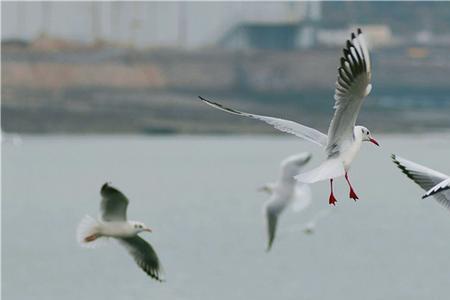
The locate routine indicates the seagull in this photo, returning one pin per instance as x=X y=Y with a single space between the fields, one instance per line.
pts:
x=344 y=138
x=436 y=184
x=113 y=223
x=284 y=192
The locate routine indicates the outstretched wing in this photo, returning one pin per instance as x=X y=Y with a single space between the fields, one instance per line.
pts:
x=291 y=127
x=143 y=255
x=352 y=85
x=425 y=177
x=271 y=226
x=440 y=187
x=114 y=204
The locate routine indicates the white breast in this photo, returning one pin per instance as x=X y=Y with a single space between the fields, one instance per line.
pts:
x=348 y=155
x=116 y=229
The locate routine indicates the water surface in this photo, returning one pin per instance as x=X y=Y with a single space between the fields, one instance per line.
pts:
x=198 y=194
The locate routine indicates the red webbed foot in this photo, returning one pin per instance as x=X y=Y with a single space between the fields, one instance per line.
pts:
x=332 y=200
x=353 y=194
x=90 y=238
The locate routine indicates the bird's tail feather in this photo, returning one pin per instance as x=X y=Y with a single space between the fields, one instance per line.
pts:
x=88 y=233
x=331 y=168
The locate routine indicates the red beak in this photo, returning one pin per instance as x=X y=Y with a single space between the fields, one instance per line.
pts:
x=374 y=142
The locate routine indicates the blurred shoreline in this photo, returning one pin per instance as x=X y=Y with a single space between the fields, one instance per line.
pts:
x=106 y=89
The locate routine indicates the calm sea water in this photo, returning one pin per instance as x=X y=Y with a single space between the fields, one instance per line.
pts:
x=199 y=196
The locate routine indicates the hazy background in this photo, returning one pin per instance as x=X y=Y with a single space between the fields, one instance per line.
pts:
x=99 y=91
x=139 y=66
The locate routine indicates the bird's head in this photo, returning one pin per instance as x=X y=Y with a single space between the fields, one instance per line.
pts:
x=265 y=189
x=140 y=227
x=366 y=136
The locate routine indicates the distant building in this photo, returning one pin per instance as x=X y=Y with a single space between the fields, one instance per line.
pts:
x=377 y=35
x=299 y=35
x=285 y=34
x=267 y=36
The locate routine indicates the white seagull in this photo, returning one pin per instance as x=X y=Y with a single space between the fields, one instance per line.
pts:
x=113 y=223
x=284 y=192
x=436 y=184
x=344 y=138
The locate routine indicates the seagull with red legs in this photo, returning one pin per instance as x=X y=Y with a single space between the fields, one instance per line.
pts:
x=344 y=138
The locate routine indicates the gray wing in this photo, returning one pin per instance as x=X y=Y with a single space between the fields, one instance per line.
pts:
x=114 y=204
x=440 y=187
x=352 y=85
x=144 y=255
x=272 y=210
x=425 y=177
x=291 y=127
x=271 y=223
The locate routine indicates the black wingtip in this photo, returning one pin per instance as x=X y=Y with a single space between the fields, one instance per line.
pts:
x=157 y=278
x=105 y=185
x=353 y=36
x=359 y=31
x=402 y=168
x=201 y=98
x=346 y=52
x=425 y=196
x=349 y=44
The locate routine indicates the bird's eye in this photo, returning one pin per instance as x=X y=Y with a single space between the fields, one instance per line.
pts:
x=140 y=226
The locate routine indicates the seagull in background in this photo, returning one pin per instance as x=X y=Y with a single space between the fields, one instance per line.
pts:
x=344 y=138
x=436 y=184
x=113 y=223
x=284 y=192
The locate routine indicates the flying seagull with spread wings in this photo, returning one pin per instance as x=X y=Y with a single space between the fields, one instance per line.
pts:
x=436 y=184
x=113 y=223
x=284 y=192
x=344 y=138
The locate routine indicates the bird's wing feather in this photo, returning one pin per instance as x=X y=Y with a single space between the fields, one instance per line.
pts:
x=425 y=177
x=144 y=255
x=271 y=224
x=291 y=127
x=352 y=85
x=438 y=188
x=113 y=206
